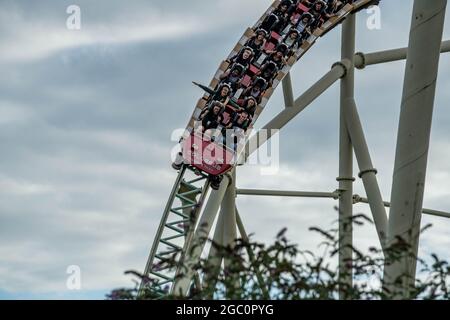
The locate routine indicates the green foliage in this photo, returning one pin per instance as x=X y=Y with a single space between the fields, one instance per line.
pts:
x=282 y=271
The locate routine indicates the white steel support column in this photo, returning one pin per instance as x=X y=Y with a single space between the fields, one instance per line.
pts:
x=346 y=162
x=413 y=139
x=194 y=247
x=225 y=234
x=367 y=171
x=215 y=257
x=228 y=212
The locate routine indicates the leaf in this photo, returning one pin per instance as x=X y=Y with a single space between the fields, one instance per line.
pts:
x=282 y=233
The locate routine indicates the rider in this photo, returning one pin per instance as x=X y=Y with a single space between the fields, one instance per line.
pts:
x=268 y=72
x=278 y=17
x=249 y=104
x=333 y=7
x=291 y=40
x=278 y=56
x=257 y=42
x=240 y=121
x=222 y=94
x=244 y=57
x=318 y=12
x=284 y=13
x=303 y=25
x=213 y=116
x=256 y=90
x=233 y=76
x=234 y=132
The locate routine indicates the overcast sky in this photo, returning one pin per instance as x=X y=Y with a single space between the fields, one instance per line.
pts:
x=86 y=118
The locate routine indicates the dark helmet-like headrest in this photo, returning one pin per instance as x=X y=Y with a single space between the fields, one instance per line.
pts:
x=293 y=30
x=260 y=81
x=306 y=15
x=283 y=48
x=238 y=67
x=262 y=31
x=321 y=2
x=270 y=65
x=227 y=85
x=286 y=3
x=247 y=49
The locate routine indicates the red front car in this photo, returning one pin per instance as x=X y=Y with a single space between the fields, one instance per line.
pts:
x=210 y=157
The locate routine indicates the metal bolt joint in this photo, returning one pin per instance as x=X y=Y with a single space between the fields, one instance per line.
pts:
x=345 y=65
x=339 y=179
x=360 y=60
x=357 y=198
x=363 y=172
x=337 y=194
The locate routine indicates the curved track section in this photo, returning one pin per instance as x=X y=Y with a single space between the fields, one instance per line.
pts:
x=272 y=41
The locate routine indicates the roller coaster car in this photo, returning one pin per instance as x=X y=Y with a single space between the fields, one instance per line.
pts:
x=206 y=155
x=206 y=152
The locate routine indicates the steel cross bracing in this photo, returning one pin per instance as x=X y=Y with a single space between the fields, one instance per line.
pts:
x=352 y=141
x=177 y=223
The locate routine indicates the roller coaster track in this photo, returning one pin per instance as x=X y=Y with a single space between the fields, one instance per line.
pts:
x=191 y=188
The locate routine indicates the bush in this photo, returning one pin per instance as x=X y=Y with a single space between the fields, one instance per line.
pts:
x=281 y=271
